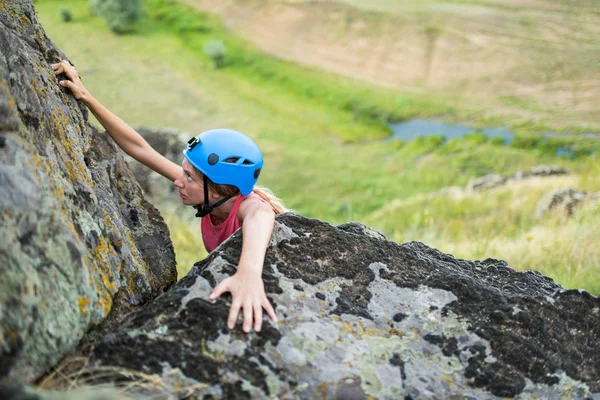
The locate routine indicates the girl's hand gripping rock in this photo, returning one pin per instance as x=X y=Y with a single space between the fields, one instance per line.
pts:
x=73 y=81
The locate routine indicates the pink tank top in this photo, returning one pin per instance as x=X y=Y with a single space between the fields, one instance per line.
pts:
x=214 y=235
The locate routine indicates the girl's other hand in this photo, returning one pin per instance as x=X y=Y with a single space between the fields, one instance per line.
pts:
x=247 y=292
x=73 y=81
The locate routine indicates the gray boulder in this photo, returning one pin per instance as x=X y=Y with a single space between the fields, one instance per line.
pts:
x=564 y=201
x=541 y=170
x=486 y=182
x=78 y=239
x=362 y=316
x=494 y=180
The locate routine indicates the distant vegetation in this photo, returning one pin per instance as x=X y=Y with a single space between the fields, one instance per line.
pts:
x=119 y=15
x=65 y=14
x=322 y=137
x=216 y=51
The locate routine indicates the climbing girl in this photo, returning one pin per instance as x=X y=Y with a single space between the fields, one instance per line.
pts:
x=217 y=176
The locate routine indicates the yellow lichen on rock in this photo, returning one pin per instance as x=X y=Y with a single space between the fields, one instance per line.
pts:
x=84 y=303
x=103 y=257
x=40 y=88
x=76 y=168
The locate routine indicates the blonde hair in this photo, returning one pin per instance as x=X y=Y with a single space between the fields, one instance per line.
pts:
x=268 y=195
x=230 y=190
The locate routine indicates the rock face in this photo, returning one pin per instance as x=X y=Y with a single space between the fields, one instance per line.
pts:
x=78 y=238
x=362 y=316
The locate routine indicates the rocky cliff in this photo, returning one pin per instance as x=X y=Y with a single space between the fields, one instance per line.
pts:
x=77 y=238
x=362 y=316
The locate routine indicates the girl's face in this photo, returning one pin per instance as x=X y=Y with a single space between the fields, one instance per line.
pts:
x=191 y=187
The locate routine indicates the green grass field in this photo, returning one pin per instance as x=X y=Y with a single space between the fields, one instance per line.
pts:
x=321 y=135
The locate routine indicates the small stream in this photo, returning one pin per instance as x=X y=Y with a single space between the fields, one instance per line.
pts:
x=414 y=128
x=409 y=130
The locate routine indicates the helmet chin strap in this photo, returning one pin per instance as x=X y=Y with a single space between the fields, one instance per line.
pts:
x=205 y=209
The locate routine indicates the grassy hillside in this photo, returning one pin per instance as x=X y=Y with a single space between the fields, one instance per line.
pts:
x=321 y=135
x=521 y=60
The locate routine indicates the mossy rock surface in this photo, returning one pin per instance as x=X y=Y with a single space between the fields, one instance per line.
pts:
x=78 y=238
x=362 y=316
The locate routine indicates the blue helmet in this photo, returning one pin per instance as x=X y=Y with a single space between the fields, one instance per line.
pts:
x=226 y=157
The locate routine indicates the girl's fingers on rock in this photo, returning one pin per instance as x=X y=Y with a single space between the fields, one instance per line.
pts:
x=233 y=314
x=258 y=317
x=270 y=311
x=72 y=75
x=247 y=318
x=219 y=290
x=66 y=66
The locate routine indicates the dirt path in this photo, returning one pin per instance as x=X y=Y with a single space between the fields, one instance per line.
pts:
x=523 y=60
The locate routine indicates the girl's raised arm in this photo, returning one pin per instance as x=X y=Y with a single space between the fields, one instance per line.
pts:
x=246 y=285
x=126 y=137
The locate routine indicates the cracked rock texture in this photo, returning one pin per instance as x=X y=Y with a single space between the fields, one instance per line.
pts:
x=362 y=317
x=78 y=238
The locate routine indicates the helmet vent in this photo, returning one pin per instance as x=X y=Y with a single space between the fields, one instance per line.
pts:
x=231 y=160
x=236 y=160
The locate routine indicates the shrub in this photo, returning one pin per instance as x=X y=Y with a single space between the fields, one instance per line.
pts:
x=424 y=144
x=497 y=141
x=119 y=15
x=65 y=14
x=476 y=138
x=216 y=50
x=525 y=142
x=94 y=6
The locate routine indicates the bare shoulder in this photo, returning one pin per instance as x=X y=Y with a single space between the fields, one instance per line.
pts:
x=251 y=205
